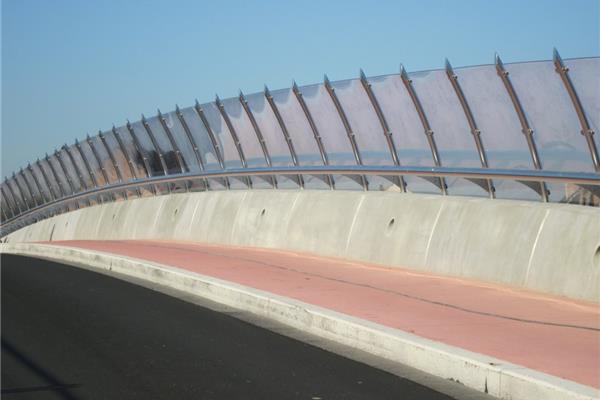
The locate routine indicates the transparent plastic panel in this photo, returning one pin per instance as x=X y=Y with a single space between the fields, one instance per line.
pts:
x=585 y=76
x=131 y=153
x=202 y=138
x=219 y=128
x=330 y=126
x=37 y=172
x=270 y=128
x=245 y=131
x=51 y=181
x=551 y=115
x=23 y=191
x=407 y=131
x=60 y=176
x=456 y=146
x=8 y=205
x=305 y=144
x=33 y=187
x=184 y=144
x=92 y=162
x=81 y=167
x=371 y=141
x=70 y=171
x=164 y=146
x=17 y=195
x=148 y=149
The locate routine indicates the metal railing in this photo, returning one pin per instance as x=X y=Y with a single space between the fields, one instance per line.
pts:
x=515 y=131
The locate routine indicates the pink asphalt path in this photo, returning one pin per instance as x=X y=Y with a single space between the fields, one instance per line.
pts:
x=554 y=335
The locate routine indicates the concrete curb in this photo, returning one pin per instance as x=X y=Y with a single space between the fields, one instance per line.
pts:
x=486 y=374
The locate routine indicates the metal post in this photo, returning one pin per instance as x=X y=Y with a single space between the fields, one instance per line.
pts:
x=182 y=164
x=315 y=131
x=3 y=208
x=259 y=135
x=472 y=124
x=347 y=127
x=37 y=183
x=285 y=132
x=586 y=129
x=14 y=197
x=212 y=137
x=399 y=181
x=525 y=128
x=428 y=131
x=190 y=137
x=53 y=194
x=234 y=135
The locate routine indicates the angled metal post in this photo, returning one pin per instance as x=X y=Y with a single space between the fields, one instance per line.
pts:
x=259 y=135
x=399 y=181
x=286 y=134
x=53 y=195
x=111 y=156
x=28 y=187
x=3 y=208
x=37 y=183
x=236 y=139
x=315 y=131
x=14 y=200
x=347 y=127
x=425 y=122
x=190 y=137
x=525 y=127
x=212 y=137
x=586 y=129
x=13 y=195
x=471 y=121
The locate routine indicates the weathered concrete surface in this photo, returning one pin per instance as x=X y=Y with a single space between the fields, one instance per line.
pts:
x=386 y=306
x=553 y=248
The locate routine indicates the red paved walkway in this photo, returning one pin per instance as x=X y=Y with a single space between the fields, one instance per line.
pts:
x=549 y=334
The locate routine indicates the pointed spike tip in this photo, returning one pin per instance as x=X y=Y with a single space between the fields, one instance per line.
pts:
x=362 y=74
x=447 y=64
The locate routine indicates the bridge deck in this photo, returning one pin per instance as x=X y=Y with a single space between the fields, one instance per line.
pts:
x=549 y=334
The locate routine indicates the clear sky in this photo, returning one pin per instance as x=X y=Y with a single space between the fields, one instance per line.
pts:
x=71 y=67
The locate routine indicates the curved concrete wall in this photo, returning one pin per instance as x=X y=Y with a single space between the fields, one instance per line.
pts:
x=551 y=248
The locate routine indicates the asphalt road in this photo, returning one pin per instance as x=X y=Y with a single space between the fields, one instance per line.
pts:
x=69 y=333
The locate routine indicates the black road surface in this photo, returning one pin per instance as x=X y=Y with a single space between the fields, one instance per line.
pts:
x=69 y=333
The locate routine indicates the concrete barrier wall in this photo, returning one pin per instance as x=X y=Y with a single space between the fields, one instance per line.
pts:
x=553 y=248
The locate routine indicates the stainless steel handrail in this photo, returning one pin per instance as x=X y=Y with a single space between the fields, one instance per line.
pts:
x=575 y=178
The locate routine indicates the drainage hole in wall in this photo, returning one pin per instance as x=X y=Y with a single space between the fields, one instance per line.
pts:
x=391 y=224
x=114 y=215
x=597 y=257
x=176 y=211
x=262 y=213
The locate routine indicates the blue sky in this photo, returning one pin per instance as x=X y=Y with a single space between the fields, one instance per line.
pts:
x=72 y=67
